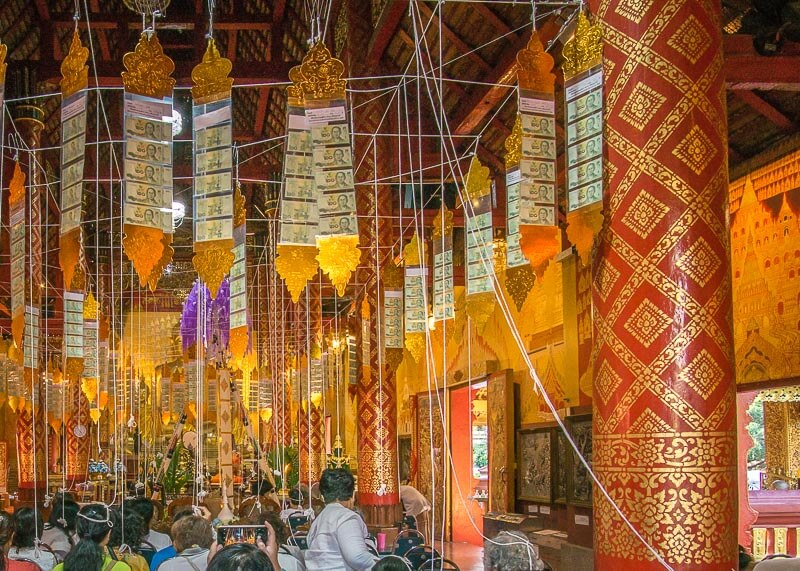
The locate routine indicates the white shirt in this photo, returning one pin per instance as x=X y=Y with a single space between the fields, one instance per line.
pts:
x=157 y=539
x=336 y=541
x=191 y=559
x=288 y=561
x=44 y=559
x=414 y=503
x=55 y=538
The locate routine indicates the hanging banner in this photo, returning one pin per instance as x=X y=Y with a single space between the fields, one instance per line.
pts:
x=147 y=196
x=239 y=338
x=212 y=136
x=31 y=343
x=299 y=216
x=393 y=310
x=91 y=349
x=73 y=325
x=414 y=295
x=443 y=286
x=584 y=105
x=537 y=167
x=514 y=255
x=75 y=79
x=479 y=244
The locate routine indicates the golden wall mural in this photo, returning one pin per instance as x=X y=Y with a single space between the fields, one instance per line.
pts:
x=765 y=268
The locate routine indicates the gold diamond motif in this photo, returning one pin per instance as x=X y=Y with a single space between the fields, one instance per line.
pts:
x=647 y=323
x=607 y=381
x=644 y=213
x=607 y=276
x=633 y=10
x=649 y=423
x=642 y=105
x=699 y=262
x=690 y=40
x=703 y=374
x=696 y=150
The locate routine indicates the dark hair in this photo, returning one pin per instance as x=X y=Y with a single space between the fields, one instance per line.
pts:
x=745 y=559
x=128 y=528
x=336 y=484
x=274 y=519
x=240 y=557
x=391 y=563
x=189 y=531
x=296 y=496
x=145 y=508
x=180 y=514
x=94 y=524
x=27 y=527
x=63 y=515
x=6 y=531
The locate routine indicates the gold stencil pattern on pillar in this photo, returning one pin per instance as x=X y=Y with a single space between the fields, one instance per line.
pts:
x=416 y=313
x=213 y=220
x=583 y=105
x=519 y=273
x=148 y=230
x=479 y=238
x=74 y=78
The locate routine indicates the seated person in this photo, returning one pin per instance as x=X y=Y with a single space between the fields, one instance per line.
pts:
x=90 y=553
x=778 y=564
x=127 y=531
x=192 y=537
x=146 y=509
x=290 y=557
x=511 y=551
x=169 y=551
x=6 y=533
x=28 y=526
x=59 y=531
x=295 y=506
x=245 y=557
x=336 y=540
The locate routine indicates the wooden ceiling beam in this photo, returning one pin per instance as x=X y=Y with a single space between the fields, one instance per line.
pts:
x=495 y=21
x=225 y=23
x=387 y=25
x=244 y=72
x=765 y=108
x=233 y=39
x=746 y=70
x=42 y=11
x=426 y=12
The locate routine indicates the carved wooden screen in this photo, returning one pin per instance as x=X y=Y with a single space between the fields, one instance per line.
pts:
x=501 y=442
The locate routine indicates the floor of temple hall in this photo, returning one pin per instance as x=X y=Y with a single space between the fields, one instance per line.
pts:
x=468 y=557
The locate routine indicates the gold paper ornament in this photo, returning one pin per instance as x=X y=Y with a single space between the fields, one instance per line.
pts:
x=318 y=77
x=513 y=145
x=239 y=207
x=163 y=262
x=91 y=309
x=74 y=71
x=144 y=249
x=3 y=65
x=73 y=367
x=296 y=265
x=338 y=257
x=519 y=282
x=213 y=262
x=584 y=49
x=210 y=77
x=535 y=67
x=443 y=223
x=415 y=343
x=237 y=342
x=148 y=69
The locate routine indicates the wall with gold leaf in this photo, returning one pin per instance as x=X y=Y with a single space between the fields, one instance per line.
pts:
x=765 y=268
x=474 y=352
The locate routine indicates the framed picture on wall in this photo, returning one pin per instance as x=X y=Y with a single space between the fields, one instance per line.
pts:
x=560 y=465
x=535 y=465
x=404 y=458
x=579 y=482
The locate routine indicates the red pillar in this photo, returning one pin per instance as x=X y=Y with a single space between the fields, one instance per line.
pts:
x=664 y=394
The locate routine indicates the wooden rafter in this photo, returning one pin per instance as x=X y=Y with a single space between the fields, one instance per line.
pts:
x=261 y=111
x=387 y=25
x=496 y=22
x=426 y=12
x=766 y=109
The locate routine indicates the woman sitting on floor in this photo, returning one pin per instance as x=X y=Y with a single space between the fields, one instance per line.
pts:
x=28 y=526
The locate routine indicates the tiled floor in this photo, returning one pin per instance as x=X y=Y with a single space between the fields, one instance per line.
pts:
x=467 y=557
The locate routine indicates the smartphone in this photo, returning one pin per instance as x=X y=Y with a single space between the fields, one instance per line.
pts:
x=230 y=534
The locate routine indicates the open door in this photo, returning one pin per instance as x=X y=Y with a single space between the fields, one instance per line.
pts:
x=502 y=461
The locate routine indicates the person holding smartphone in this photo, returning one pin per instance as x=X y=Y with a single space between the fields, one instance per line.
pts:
x=336 y=540
x=192 y=537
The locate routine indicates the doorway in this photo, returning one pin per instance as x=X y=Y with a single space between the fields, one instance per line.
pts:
x=469 y=474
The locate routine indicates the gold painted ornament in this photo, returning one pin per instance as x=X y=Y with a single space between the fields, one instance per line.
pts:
x=584 y=49
x=318 y=77
x=296 y=265
x=339 y=257
x=210 y=76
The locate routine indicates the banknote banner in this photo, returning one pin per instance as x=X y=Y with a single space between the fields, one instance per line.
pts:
x=147 y=196
x=479 y=238
x=415 y=295
x=213 y=197
x=443 y=286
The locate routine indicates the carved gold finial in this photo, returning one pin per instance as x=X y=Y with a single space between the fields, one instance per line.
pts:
x=415 y=343
x=212 y=263
x=296 y=265
x=443 y=224
x=74 y=71
x=143 y=247
x=478 y=183
x=210 y=77
x=91 y=309
x=413 y=254
x=392 y=276
x=535 y=67
x=338 y=257
x=16 y=188
x=584 y=49
x=513 y=145
x=148 y=69
x=318 y=77
x=519 y=282
x=239 y=207
x=78 y=281
x=3 y=65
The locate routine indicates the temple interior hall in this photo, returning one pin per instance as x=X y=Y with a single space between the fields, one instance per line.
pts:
x=400 y=285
